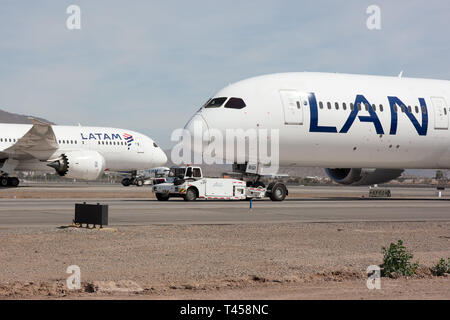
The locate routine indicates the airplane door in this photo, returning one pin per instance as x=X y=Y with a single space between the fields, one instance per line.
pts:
x=292 y=106
x=440 y=113
x=138 y=146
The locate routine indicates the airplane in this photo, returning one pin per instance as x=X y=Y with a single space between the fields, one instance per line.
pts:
x=362 y=129
x=73 y=151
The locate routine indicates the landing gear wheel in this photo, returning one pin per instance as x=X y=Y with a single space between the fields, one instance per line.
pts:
x=161 y=197
x=3 y=182
x=126 y=182
x=139 y=182
x=278 y=192
x=190 y=195
x=14 y=182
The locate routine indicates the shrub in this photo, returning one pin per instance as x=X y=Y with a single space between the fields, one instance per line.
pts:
x=396 y=259
x=441 y=267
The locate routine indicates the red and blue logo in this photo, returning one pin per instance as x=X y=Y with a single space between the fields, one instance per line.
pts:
x=128 y=139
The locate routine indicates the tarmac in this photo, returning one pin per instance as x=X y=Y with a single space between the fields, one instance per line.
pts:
x=305 y=204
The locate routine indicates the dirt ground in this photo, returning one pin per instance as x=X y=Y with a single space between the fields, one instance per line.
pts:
x=248 y=261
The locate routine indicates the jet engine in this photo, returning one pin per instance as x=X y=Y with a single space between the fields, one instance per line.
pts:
x=361 y=177
x=86 y=165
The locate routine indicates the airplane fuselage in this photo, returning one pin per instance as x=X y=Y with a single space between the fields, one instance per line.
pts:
x=122 y=150
x=343 y=121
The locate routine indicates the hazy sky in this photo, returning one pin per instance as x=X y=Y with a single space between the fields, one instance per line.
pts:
x=149 y=65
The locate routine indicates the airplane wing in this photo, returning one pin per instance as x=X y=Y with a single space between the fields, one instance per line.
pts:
x=39 y=142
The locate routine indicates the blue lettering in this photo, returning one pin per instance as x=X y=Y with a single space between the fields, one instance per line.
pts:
x=116 y=136
x=83 y=137
x=106 y=137
x=314 y=114
x=361 y=100
x=91 y=136
x=421 y=129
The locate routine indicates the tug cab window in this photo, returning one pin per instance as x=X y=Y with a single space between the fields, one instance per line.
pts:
x=235 y=103
x=215 y=103
x=197 y=173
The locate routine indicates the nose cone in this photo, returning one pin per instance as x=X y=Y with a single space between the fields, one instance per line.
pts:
x=199 y=131
x=160 y=157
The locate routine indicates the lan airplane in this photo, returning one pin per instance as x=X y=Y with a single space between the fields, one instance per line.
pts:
x=73 y=151
x=362 y=129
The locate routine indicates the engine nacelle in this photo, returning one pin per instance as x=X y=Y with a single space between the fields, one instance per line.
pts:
x=363 y=177
x=86 y=165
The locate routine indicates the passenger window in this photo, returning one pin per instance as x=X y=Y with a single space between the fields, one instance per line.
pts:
x=359 y=106
x=329 y=105
x=215 y=103
x=344 y=106
x=417 y=109
x=352 y=106
x=336 y=105
x=197 y=173
x=235 y=103
x=424 y=110
x=381 y=108
x=366 y=105
x=320 y=105
x=374 y=107
x=409 y=109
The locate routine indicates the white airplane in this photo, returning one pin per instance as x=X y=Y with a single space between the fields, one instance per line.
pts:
x=73 y=151
x=363 y=129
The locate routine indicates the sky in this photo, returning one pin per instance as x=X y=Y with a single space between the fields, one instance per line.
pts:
x=149 y=65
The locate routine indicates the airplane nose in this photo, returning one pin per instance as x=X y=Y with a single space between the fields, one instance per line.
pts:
x=198 y=130
x=161 y=157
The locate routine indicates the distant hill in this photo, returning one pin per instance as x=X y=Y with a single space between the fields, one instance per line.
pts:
x=8 y=117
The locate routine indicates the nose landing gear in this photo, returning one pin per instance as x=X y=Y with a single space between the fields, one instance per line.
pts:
x=6 y=181
x=276 y=190
x=135 y=179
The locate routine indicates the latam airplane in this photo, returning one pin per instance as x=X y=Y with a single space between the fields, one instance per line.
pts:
x=362 y=129
x=73 y=151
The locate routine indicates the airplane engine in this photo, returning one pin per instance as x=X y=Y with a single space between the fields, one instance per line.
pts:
x=362 y=177
x=85 y=165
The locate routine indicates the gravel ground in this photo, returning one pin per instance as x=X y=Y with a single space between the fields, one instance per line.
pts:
x=277 y=261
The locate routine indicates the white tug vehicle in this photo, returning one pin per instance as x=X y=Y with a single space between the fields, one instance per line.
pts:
x=187 y=182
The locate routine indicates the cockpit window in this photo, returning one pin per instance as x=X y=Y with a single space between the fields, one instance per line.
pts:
x=215 y=103
x=235 y=103
x=155 y=145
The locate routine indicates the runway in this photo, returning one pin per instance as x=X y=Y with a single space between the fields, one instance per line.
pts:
x=316 y=204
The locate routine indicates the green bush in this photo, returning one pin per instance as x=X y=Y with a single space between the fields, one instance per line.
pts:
x=396 y=259
x=441 y=268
